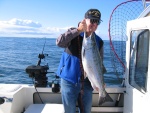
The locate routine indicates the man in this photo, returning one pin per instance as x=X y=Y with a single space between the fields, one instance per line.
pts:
x=73 y=84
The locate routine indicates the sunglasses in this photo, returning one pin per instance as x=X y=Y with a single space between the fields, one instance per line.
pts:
x=92 y=21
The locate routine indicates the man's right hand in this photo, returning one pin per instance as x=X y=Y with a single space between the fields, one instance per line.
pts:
x=82 y=26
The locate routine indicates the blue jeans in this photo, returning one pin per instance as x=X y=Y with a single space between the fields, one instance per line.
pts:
x=70 y=94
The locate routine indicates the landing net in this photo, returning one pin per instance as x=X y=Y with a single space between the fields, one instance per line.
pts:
x=122 y=13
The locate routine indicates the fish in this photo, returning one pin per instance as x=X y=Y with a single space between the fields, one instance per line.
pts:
x=93 y=67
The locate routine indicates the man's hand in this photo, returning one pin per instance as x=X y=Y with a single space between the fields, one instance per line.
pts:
x=82 y=26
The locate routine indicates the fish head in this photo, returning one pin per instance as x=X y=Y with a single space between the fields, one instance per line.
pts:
x=92 y=37
x=89 y=41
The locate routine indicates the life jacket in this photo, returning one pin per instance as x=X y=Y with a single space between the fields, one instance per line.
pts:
x=69 y=66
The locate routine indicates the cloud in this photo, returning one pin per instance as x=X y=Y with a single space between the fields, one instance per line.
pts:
x=21 y=22
x=28 y=28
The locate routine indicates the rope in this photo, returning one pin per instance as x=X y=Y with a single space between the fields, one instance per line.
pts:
x=82 y=79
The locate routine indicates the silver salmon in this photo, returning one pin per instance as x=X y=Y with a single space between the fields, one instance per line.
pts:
x=92 y=65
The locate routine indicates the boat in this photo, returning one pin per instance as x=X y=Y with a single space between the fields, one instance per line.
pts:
x=132 y=97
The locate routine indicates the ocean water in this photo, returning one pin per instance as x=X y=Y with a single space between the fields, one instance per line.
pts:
x=16 y=54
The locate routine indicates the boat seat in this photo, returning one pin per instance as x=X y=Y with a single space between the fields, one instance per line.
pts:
x=45 y=108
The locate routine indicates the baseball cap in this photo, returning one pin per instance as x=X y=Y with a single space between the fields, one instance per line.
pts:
x=93 y=14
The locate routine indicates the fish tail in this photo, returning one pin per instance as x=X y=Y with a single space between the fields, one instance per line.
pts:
x=107 y=98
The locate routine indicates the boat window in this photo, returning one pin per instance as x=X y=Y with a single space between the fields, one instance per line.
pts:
x=139 y=51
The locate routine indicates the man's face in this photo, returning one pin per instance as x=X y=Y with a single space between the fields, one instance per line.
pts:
x=91 y=25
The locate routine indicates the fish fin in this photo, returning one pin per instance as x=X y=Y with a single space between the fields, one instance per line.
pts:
x=107 y=98
x=85 y=75
x=94 y=87
x=101 y=100
x=83 y=52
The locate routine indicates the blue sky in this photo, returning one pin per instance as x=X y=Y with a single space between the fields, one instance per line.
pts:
x=50 y=18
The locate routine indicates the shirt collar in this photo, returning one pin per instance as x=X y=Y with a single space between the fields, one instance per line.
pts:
x=82 y=34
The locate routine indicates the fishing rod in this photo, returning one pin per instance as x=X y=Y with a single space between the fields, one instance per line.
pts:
x=42 y=56
x=39 y=72
x=38 y=75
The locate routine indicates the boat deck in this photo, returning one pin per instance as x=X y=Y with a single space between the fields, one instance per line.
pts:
x=29 y=100
x=58 y=108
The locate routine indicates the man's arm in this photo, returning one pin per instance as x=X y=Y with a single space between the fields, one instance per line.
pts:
x=64 y=39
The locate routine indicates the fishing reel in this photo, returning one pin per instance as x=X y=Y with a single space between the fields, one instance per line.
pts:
x=38 y=72
x=55 y=85
x=2 y=100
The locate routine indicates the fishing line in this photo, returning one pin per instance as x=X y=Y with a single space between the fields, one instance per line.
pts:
x=39 y=65
x=37 y=92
